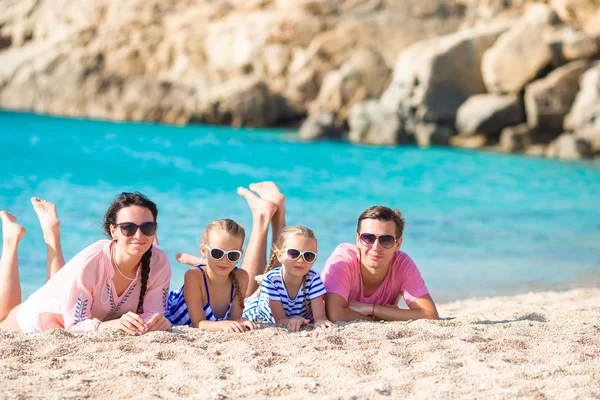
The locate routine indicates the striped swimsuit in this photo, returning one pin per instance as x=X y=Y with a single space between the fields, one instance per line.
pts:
x=257 y=309
x=177 y=311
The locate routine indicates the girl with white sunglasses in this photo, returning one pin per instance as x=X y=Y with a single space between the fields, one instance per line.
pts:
x=293 y=293
x=212 y=295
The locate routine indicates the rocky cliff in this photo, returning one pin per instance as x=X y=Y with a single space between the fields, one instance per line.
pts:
x=508 y=74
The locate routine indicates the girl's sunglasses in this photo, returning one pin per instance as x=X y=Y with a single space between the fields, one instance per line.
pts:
x=294 y=254
x=369 y=239
x=129 y=228
x=217 y=253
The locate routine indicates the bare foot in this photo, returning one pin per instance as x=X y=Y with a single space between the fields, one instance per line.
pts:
x=46 y=213
x=189 y=259
x=270 y=192
x=258 y=206
x=10 y=229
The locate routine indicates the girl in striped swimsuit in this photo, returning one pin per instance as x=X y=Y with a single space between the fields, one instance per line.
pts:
x=212 y=295
x=293 y=293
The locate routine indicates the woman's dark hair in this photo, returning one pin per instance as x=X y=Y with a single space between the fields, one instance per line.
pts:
x=124 y=200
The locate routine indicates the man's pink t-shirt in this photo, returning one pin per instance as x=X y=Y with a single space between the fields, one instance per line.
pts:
x=342 y=277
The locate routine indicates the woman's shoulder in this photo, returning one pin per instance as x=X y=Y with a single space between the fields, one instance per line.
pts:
x=91 y=255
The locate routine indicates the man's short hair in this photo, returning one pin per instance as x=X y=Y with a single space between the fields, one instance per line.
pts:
x=383 y=213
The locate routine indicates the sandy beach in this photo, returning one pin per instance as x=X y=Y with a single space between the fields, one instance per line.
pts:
x=537 y=345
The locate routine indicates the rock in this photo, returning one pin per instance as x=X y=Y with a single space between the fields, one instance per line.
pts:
x=575 y=44
x=536 y=150
x=469 y=142
x=569 y=147
x=591 y=132
x=515 y=139
x=318 y=126
x=585 y=107
x=440 y=74
x=580 y=12
x=203 y=49
x=236 y=41
x=370 y=124
x=395 y=98
x=520 y=54
x=242 y=101
x=487 y=114
x=428 y=134
x=548 y=100
x=364 y=76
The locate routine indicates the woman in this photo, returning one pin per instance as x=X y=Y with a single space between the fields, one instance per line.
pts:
x=122 y=283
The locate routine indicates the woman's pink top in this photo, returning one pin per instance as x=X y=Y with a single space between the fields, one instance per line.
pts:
x=82 y=294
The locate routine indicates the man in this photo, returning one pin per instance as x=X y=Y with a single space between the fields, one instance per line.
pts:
x=367 y=280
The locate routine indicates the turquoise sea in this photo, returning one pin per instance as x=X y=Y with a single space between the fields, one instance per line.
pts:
x=477 y=224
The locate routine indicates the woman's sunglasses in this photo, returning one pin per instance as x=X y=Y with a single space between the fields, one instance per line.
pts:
x=369 y=239
x=294 y=254
x=129 y=228
x=217 y=253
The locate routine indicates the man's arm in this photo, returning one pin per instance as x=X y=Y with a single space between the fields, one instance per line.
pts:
x=421 y=308
x=338 y=310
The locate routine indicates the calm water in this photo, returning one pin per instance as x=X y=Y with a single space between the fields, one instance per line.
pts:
x=477 y=224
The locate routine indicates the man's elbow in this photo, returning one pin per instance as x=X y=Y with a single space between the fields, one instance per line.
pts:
x=432 y=314
x=334 y=314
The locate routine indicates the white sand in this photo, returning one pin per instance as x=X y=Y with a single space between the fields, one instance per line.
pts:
x=539 y=345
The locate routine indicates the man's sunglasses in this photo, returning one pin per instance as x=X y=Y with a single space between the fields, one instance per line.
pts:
x=294 y=254
x=217 y=254
x=129 y=228
x=369 y=239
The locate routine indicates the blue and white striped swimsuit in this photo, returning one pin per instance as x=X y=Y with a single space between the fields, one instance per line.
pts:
x=177 y=311
x=257 y=309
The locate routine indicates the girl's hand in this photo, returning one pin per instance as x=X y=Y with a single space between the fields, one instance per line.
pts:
x=295 y=323
x=157 y=323
x=232 y=326
x=363 y=308
x=323 y=323
x=250 y=325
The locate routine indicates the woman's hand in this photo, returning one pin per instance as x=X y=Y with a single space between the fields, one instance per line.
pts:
x=323 y=323
x=295 y=323
x=157 y=323
x=130 y=323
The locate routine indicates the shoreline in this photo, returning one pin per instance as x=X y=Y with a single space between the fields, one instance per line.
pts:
x=544 y=344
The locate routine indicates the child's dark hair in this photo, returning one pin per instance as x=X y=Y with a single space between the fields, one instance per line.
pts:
x=127 y=199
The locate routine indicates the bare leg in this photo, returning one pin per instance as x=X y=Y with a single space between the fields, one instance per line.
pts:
x=255 y=257
x=10 y=286
x=46 y=213
x=270 y=192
